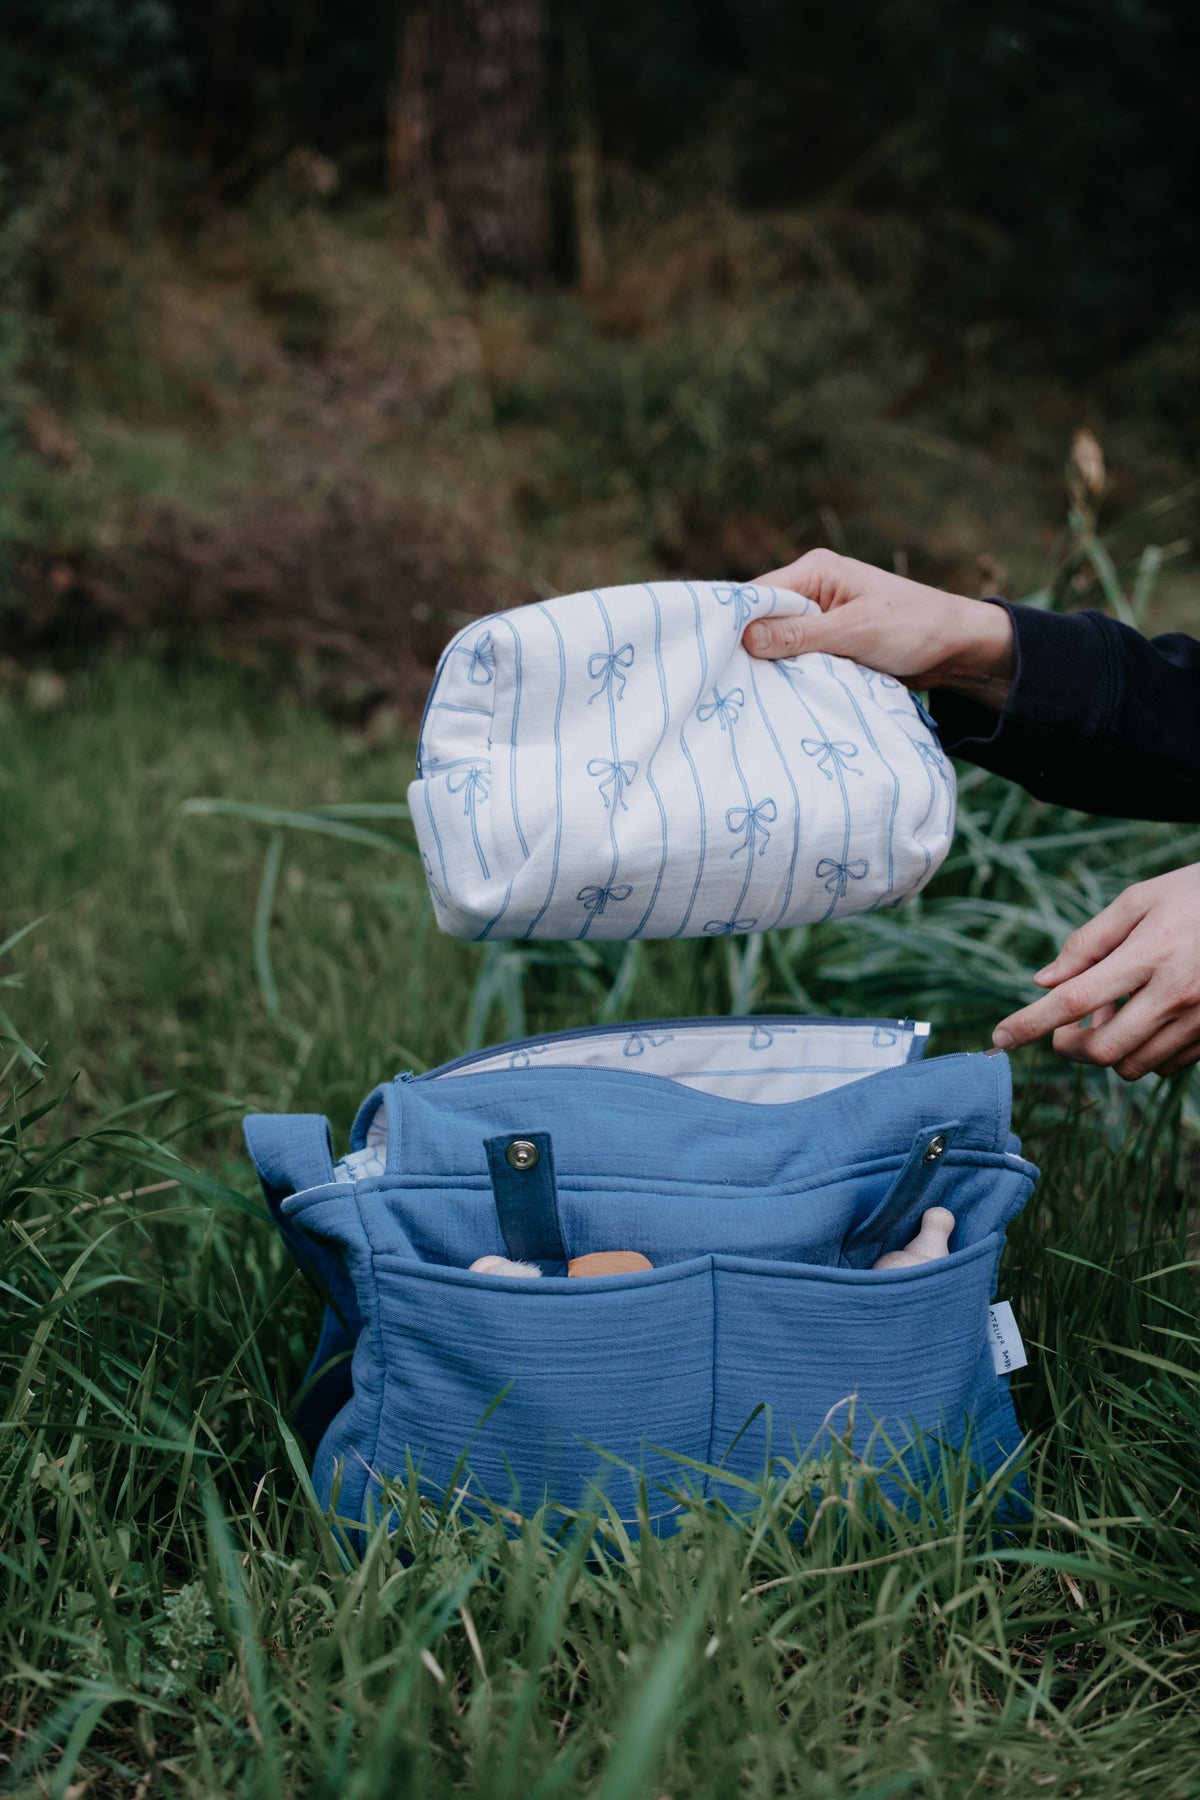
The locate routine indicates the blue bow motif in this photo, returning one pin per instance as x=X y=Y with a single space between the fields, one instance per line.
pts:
x=933 y=758
x=472 y=784
x=606 y=666
x=836 y=875
x=871 y=676
x=830 y=755
x=595 y=899
x=723 y=707
x=753 y=820
x=635 y=1043
x=483 y=660
x=615 y=777
x=434 y=888
x=727 y=927
x=883 y=1038
x=761 y=1038
x=742 y=599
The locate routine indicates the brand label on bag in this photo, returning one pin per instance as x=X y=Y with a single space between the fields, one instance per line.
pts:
x=1008 y=1352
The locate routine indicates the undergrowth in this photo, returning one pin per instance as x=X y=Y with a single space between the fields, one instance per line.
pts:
x=292 y=438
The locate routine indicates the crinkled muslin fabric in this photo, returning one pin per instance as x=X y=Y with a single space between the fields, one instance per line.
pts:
x=761 y=1164
x=615 y=765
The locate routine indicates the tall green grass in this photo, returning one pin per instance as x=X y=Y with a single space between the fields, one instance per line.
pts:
x=176 y=1610
x=178 y=1617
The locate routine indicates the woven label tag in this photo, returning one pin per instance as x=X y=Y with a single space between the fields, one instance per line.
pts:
x=1008 y=1352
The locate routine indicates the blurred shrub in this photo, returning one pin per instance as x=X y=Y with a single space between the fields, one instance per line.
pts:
x=347 y=596
x=720 y=385
x=60 y=55
x=1047 y=154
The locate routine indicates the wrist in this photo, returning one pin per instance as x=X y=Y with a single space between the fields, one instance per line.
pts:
x=981 y=663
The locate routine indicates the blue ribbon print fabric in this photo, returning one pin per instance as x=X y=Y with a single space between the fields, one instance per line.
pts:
x=615 y=765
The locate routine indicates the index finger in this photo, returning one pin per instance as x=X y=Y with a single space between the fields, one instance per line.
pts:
x=1065 y=1005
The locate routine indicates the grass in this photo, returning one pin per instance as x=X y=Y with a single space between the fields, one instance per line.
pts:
x=177 y=1616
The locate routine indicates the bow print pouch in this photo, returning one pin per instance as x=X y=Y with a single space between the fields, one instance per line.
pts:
x=615 y=765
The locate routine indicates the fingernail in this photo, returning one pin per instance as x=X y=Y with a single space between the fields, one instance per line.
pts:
x=1002 y=1039
x=1047 y=972
x=760 y=636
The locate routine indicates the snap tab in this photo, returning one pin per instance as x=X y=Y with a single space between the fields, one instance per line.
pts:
x=521 y=1154
x=935 y=1149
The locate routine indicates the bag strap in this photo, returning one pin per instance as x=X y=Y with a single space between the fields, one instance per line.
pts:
x=294 y=1151
x=522 y=1172
x=291 y=1151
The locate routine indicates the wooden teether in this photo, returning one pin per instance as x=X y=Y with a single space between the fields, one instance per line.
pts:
x=609 y=1262
x=931 y=1242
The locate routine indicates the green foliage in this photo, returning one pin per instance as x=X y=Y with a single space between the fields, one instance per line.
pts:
x=17 y=227
x=61 y=54
x=741 y=396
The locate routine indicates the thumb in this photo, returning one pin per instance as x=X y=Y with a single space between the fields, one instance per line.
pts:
x=795 y=635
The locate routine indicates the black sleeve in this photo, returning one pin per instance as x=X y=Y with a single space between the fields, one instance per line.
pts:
x=1099 y=717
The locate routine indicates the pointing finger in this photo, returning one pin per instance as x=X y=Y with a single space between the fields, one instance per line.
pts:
x=1066 y=1005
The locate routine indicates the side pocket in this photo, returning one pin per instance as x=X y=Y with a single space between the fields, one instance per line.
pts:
x=876 y=1355
x=578 y=1368
x=338 y=1411
x=910 y=1193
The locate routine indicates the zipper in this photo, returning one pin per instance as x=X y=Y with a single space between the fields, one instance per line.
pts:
x=767 y=1020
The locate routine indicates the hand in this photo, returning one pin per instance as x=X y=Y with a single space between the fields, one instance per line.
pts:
x=1145 y=946
x=924 y=637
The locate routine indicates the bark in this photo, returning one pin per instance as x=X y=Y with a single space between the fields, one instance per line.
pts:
x=469 y=130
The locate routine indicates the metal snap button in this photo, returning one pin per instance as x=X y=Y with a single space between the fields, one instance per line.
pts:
x=934 y=1149
x=521 y=1154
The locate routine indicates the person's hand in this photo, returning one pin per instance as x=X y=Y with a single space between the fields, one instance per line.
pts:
x=1144 y=948
x=924 y=637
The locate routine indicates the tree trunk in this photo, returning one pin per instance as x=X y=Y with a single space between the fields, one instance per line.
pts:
x=469 y=124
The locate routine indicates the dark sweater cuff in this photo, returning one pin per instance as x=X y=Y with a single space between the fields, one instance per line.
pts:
x=1058 y=656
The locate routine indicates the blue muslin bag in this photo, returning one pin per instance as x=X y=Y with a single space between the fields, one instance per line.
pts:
x=761 y=1164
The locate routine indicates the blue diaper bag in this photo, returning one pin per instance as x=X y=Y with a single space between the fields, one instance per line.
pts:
x=761 y=1164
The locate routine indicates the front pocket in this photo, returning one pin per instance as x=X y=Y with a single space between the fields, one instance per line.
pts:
x=878 y=1354
x=611 y=1365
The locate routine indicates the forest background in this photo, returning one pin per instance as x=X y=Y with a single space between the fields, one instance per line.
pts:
x=324 y=328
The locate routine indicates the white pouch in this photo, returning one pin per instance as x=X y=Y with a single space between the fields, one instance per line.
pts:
x=615 y=765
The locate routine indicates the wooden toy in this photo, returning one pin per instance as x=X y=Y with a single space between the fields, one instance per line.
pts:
x=609 y=1262
x=930 y=1243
